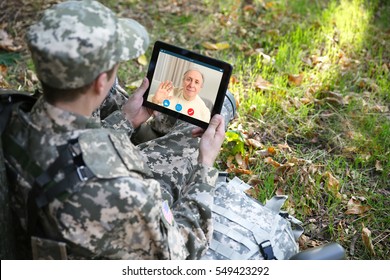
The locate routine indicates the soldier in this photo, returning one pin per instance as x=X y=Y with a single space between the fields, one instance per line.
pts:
x=78 y=179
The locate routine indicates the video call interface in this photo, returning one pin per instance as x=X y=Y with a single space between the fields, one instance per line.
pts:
x=208 y=93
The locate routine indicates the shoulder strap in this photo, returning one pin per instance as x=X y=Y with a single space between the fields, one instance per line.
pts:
x=7 y=100
x=44 y=187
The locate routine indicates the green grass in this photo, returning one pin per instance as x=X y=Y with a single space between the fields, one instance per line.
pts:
x=330 y=131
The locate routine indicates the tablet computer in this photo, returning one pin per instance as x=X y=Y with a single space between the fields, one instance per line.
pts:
x=185 y=84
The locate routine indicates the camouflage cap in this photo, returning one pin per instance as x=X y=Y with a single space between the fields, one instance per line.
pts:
x=75 y=41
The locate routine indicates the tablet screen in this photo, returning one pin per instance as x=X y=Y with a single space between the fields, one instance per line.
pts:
x=185 y=84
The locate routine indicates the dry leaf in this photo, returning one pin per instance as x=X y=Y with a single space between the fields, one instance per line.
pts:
x=355 y=207
x=367 y=240
x=266 y=58
x=3 y=82
x=279 y=191
x=380 y=108
x=239 y=171
x=318 y=59
x=378 y=166
x=229 y=161
x=209 y=46
x=254 y=143
x=6 y=43
x=271 y=150
x=295 y=80
x=233 y=80
x=222 y=45
x=249 y=8
x=272 y=162
x=142 y=60
x=215 y=47
x=332 y=184
x=262 y=84
x=284 y=147
x=3 y=69
x=263 y=153
x=254 y=180
x=269 y=5
x=241 y=161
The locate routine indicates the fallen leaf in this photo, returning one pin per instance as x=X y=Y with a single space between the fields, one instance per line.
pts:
x=354 y=206
x=142 y=60
x=262 y=84
x=272 y=162
x=269 y=5
x=295 y=80
x=234 y=80
x=238 y=171
x=249 y=8
x=284 y=147
x=271 y=150
x=222 y=45
x=318 y=59
x=279 y=191
x=216 y=46
x=6 y=43
x=367 y=240
x=3 y=69
x=263 y=153
x=3 y=82
x=332 y=184
x=378 y=166
x=241 y=161
x=254 y=180
x=254 y=143
x=380 y=108
x=266 y=58
x=229 y=161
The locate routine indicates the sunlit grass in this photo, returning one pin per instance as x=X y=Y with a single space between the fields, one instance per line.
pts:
x=357 y=136
x=339 y=52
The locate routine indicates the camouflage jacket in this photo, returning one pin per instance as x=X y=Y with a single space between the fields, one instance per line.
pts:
x=120 y=212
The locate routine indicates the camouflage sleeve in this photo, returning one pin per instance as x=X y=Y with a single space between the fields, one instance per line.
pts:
x=122 y=218
x=126 y=218
x=114 y=101
x=117 y=121
x=192 y=211
x=110 y=110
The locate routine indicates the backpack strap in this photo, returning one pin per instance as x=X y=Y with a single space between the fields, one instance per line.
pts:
x=45 y=188
x=264 y=247
x=226 y=251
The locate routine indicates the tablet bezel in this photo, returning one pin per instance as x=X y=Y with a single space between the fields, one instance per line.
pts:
x=195 y=58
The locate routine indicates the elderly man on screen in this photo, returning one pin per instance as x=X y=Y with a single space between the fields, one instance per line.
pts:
x=186 y=99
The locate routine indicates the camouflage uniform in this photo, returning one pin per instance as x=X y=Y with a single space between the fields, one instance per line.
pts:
x=121 y=212
x=240 y=223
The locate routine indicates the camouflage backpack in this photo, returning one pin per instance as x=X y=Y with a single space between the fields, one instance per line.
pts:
x=15 y=242
x=246 y=229
x=10 y=243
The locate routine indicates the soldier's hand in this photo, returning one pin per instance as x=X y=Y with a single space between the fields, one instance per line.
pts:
x=211 y=140
x=134 y=112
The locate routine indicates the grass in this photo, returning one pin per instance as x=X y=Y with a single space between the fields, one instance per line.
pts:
x=312 y=83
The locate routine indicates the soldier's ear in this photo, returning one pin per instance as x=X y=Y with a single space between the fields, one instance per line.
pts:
x=100 y=84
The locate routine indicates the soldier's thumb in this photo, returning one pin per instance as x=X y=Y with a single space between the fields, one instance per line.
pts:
x=143 y=87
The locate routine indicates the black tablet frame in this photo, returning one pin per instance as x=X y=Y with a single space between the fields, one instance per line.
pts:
x=194 y=57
